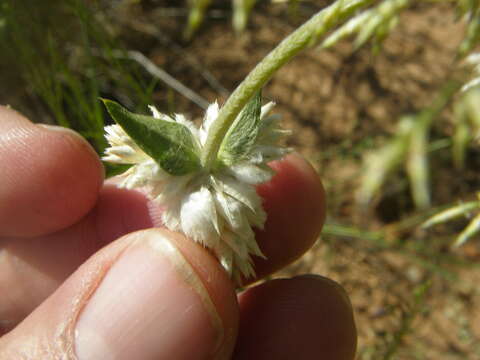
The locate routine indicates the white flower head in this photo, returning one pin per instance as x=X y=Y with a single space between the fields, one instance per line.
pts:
x=217 y=208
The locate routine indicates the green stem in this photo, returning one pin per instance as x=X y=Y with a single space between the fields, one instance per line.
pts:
x=304 y=36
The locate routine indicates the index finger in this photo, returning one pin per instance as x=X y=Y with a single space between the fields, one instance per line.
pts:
x=295 y=203
x=49 y=178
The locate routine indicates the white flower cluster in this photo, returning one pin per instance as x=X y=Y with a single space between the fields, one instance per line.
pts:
x=216 y=208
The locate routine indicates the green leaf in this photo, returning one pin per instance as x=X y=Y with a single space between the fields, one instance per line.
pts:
x=472 y=229
x=452 y=213
x=241 y=136
x=115 y=169
x=169 y=143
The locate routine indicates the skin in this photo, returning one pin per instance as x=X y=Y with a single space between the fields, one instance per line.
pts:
x=66 y=235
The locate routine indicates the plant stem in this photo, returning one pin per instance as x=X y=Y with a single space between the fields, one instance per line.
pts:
x=304 y=36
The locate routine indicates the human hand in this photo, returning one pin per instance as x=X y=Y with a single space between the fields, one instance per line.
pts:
x=78 y=281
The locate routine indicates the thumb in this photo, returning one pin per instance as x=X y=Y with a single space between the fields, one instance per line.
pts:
x=149 y=295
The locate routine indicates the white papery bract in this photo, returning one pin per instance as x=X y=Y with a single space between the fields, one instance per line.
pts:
x=216 y=208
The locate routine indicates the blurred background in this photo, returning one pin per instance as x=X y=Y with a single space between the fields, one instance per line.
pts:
x=385 y=125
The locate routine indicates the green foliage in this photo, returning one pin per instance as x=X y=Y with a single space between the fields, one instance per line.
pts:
x=409 y=147
x=195 y=16
x=462 y=210
x=114 y=169
x=467 y=124
x=241 y=136
x=376 y=23
x=471 y=11
x=169 y=143
x=69 y=69
x=372 y=24
x=306 y=35
x=241 y=12
x=381 y=163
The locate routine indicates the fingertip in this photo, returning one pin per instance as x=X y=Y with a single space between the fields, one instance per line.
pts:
x=295 y=204
x=50 y=179
x=150 y=294
x=307 y=317
x=218 y=285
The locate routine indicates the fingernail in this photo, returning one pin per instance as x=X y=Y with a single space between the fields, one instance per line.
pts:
x=150 y=305
x=62 y=129
x=67 y=131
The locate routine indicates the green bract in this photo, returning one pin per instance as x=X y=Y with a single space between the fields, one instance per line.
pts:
x=169 y=143
x=241 y=136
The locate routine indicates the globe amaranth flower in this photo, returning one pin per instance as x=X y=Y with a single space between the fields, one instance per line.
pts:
x=217 y=208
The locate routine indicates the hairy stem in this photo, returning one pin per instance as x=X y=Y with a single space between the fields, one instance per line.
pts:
x=304 y=36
